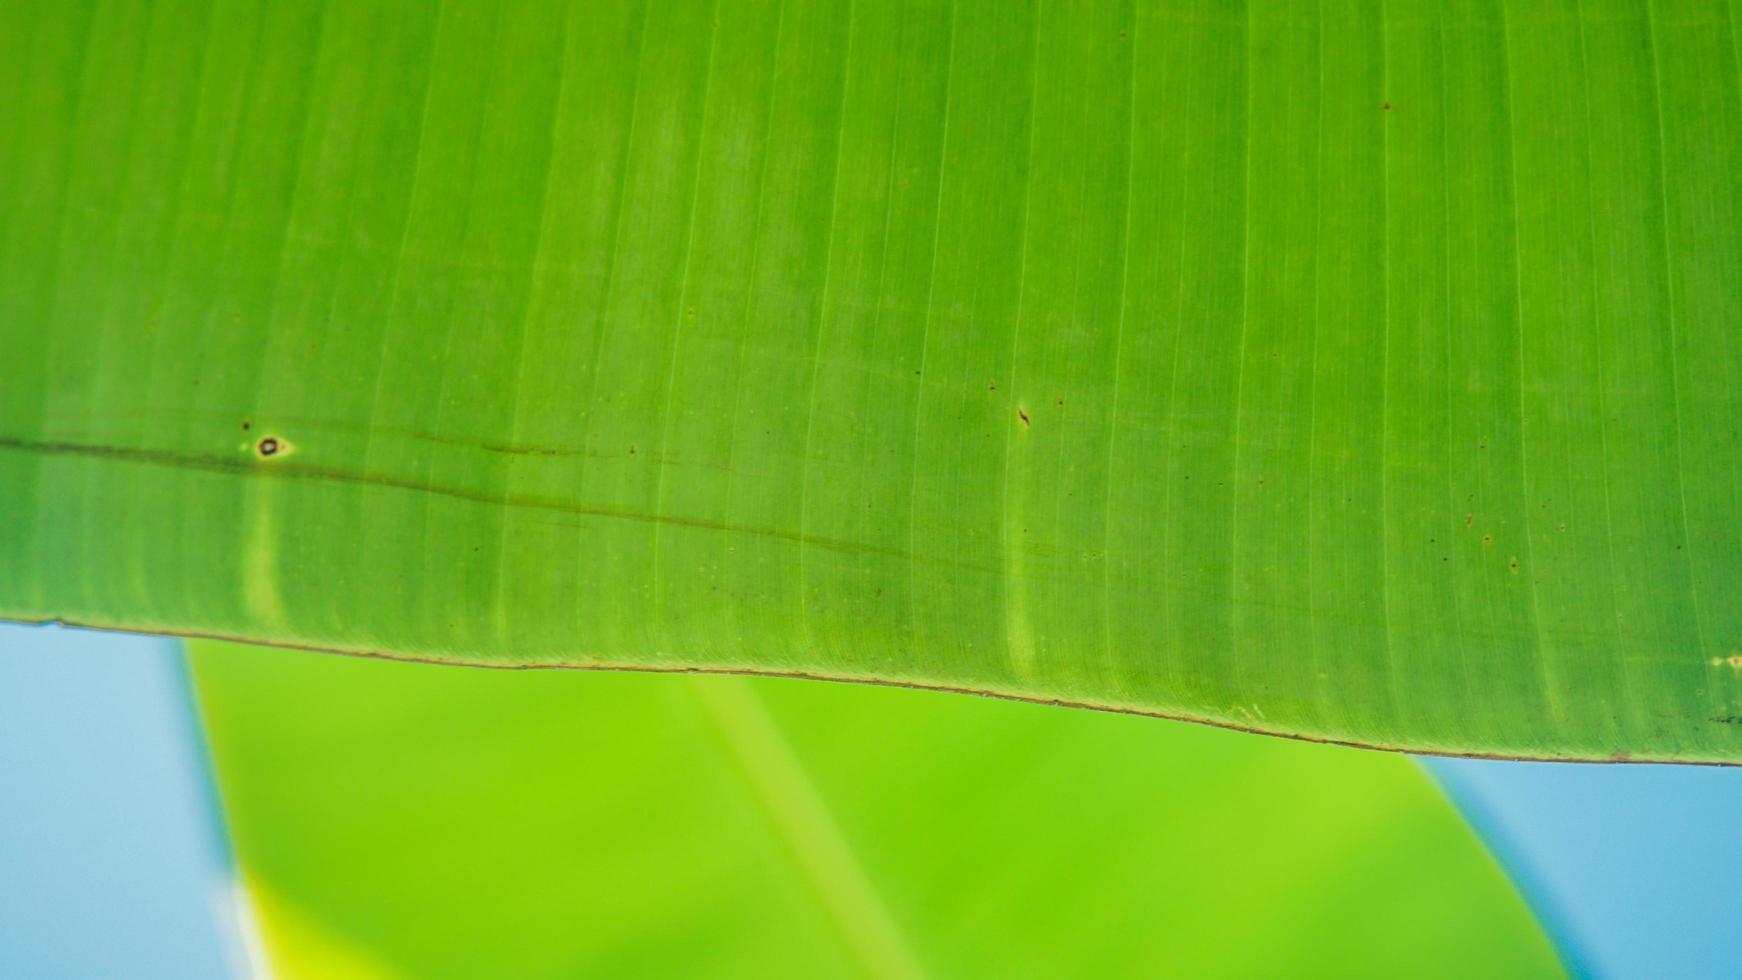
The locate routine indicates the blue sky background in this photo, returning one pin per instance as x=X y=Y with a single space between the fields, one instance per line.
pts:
x=1634 y=869
x=112 y=857
x=113 y=861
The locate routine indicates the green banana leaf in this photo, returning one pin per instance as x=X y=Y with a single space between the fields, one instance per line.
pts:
x=623 y=826
x=1362 y=370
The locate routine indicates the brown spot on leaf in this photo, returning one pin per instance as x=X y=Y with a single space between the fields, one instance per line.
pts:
x=268 y=447
x=1022 y=416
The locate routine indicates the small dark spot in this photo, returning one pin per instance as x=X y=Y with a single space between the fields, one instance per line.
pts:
x=691 y=311
x=1385 y=108
x=1469 y=520
x=992 y=385
x=1513 y=564
x=1023 y=416
x=1487 y=539
x=1061 y=401
x=246 y=425
x=268 y=446
x=631 y=450
x=1736 y=660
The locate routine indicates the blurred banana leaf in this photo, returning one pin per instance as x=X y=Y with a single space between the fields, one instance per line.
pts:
x=395 y=820
x=1368 y=371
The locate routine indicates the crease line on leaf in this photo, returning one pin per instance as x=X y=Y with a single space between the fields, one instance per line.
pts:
x=219 y=463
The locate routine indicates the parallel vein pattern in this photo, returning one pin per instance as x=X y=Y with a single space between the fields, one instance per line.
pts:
x=1367 y=370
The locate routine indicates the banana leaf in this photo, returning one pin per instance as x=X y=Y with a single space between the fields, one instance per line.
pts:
x=394 y=820
x=1362 y=370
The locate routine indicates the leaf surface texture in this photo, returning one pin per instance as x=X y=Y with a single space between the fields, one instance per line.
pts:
x=1358 y=370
